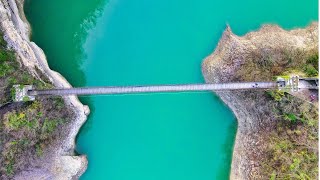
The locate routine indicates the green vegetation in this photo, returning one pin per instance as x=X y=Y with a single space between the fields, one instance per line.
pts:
x=314 y=60
x=29 y=129
x=7 y=59
x=292 y=151
x=49 y=126
x=290 y=138
x=11 y=72
x=290 y=117
x=39 y=150
x=264 y=66
x=25 y=99
x=25 y=130
x=12 y=93
x=15 y=120
x=273 y=176
x=310 y=70
x=276 y=94
x=58 y=102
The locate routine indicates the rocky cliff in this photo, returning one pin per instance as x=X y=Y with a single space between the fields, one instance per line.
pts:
x=61 y=161
x=262 y=120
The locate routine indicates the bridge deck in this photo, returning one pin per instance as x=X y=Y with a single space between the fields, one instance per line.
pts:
x=162 y=88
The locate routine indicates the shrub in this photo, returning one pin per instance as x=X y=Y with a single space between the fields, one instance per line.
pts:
x=290 y=117
x=273 y=176
x=277 y=95
x=14 y=121
x=58 y=102
x=5 y=69
x=313 y=60
x=39 y=150
x=310 y=70
x=6 y=55
x=295 y=164
x=35 y=105
x=13 y=93
x=9 y=155
x=25 y=99
x=48 y=127
x=9 y=168
x=12 y=81
x=3 y=43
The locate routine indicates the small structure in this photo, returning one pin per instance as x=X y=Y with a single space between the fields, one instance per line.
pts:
x=281 y=82
x=310 y=83
x=295 y=83
x=284 y=83
x=21 y=93
x=304 y=88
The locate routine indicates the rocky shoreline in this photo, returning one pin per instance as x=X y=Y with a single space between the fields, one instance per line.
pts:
x=241 y=59
x=62 y=163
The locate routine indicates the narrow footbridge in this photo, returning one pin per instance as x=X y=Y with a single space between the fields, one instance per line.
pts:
x=153 y=89
x=293 y=83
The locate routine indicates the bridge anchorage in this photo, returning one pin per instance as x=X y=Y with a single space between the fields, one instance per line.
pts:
x=292 y=83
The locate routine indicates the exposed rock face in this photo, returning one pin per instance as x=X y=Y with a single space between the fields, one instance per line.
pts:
x=60 y=163
x=229 y=63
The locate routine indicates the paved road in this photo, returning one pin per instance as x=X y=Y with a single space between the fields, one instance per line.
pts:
x=150 y=89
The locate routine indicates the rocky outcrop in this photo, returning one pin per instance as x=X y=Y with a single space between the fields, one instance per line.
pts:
x=254 y=57
x=60 y=163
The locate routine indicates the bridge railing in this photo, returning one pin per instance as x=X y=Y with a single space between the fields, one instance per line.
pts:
x=153 y=89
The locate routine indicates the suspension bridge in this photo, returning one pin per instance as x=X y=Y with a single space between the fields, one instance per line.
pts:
x=27 y=92
x=153 y=89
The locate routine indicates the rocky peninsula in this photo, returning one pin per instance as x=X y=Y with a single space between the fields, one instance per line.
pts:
x=58 y=159
x=277 y=132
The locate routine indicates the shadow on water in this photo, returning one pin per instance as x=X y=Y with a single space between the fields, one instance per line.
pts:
x=87 y=100
x=228 y=149
x=65 y=54
x=228 y=145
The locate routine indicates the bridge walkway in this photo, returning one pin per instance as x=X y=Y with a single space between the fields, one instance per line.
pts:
x=149 y=89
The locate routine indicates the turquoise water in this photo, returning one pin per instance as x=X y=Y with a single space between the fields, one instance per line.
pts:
x=185 y=136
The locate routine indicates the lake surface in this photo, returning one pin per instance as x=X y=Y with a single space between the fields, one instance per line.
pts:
x=185 y=136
